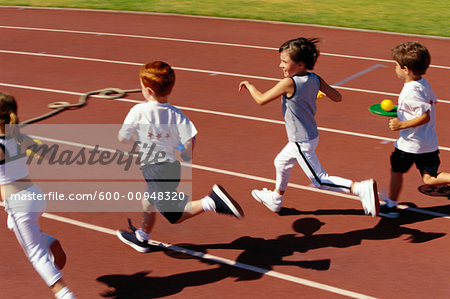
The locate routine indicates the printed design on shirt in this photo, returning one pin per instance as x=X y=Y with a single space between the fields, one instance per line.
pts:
x=158 y=135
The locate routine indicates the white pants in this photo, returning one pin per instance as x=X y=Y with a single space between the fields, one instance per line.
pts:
x=304 y=154
x=24 y=223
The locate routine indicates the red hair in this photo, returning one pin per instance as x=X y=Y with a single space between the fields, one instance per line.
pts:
x=158 y=76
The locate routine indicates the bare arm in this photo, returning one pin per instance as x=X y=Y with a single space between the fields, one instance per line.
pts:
x=285 y=86
x=187 y=154
x=396 y=124
x=329 y=91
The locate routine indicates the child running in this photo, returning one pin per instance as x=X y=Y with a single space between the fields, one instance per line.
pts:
x=299 y=90
x=415 y=120
x=43 y=251
x=159 y=129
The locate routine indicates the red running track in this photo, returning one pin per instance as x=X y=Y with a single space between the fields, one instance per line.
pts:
x=319 y=246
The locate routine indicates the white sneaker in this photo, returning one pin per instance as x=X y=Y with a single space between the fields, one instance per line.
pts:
x=367 y=192
x=266 y=197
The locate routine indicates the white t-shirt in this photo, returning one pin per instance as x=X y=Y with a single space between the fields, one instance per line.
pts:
x=416 y=98
x=159 y=128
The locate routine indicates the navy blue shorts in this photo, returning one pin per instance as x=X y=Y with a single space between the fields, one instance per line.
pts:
x=427 y=162
x=162 y=182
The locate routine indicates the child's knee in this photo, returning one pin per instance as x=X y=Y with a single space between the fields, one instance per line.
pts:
x=428 y=179
x=282 y=164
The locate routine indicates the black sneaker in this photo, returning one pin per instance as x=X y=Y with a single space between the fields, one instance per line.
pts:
x=389 y=212
x=131 y=226
x=130 y=239
x=225 y=204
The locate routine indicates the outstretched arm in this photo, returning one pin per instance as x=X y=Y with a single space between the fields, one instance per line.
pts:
x=396 y=124
x=329 y=91
x=285 y=86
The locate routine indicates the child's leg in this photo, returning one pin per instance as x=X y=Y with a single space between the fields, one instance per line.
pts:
x=219 y=201
x=428 y=165
x=395 y=185
x=440 y=179
x=148 y=222
x=29 y=235
x=33 y=241
x=284 y=162
x=192 y=209
x=401 y=162
x=310 y=164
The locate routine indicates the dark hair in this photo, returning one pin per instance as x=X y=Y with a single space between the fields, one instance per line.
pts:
x=8 y=114
x=159 y=76
x=412 y=55
x=302 y=50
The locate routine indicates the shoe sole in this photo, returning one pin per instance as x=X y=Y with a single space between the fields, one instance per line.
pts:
x=229 y=201
x=258 y=199
x=131 y=244
x=390 y=215
x=375 y=201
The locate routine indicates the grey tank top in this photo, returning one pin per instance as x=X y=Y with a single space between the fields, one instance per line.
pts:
x=299 y=110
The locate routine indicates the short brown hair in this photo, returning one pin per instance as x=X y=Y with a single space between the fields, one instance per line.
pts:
x=412 y=55
x=158 y=76
x=302 y=50
x=8 y=115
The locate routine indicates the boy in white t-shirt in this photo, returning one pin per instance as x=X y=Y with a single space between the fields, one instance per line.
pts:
x=160 y=129
x=417 y=143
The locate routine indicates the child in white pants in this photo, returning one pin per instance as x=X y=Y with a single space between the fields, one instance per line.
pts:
x=43 y=251
x=299 y=90
x=308 y=161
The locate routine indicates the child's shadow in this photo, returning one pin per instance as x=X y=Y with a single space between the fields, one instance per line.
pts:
x=258 y=256
x=141 y=286
x=440 y=190
x=406 y=216
x=274 y=250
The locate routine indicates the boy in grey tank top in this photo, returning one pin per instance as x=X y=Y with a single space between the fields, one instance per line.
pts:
x=299 y=89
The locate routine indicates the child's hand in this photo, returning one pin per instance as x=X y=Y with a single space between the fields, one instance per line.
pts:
x=395 y=124
x=243 y=84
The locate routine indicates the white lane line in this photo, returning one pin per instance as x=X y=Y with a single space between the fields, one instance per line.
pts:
x=192 y=41
x=241 y=175
x=191 y=70
x=239 y=116
x=359 y=74
x=287 y=277
x=217 y=259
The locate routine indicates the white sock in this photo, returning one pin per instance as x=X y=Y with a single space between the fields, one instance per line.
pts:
x=356 y=188
x=65 y=293
x=208 y=204
x=141 y=235
x=390 y=203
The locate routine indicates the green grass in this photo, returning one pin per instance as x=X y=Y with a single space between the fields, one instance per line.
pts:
x=429 y=17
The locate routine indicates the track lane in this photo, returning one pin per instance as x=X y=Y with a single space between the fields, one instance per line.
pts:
x=337 y=218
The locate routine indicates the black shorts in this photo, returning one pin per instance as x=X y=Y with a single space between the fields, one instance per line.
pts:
x=162 y=179
x=427 y=162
